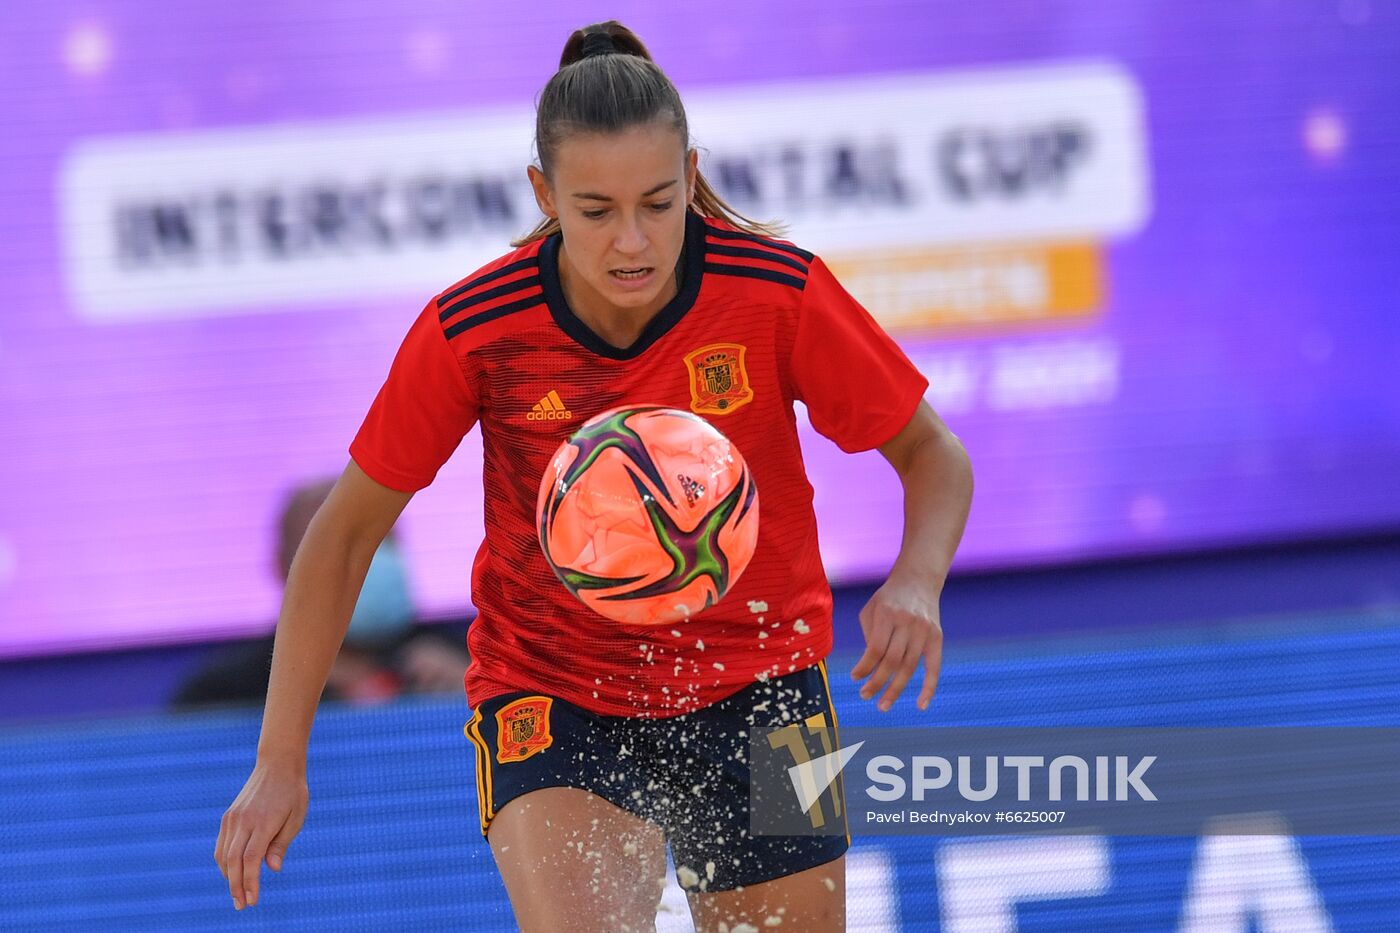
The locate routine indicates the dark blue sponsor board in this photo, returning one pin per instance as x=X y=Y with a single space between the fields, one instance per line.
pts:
x=113 y=823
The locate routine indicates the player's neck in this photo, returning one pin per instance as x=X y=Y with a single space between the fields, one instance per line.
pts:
x=620 y=327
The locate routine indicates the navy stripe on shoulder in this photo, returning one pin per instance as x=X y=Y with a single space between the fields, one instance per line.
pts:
x=751 y=272
x=765 y=255
x=492 y=276
x=762 y=241
x=486 y=317
x=500 y=291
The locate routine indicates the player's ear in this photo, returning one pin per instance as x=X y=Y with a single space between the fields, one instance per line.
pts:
x=544 y=193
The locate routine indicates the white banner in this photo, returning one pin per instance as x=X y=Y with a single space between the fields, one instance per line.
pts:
x=274 y=216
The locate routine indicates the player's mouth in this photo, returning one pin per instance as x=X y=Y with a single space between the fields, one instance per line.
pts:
x=633 y=277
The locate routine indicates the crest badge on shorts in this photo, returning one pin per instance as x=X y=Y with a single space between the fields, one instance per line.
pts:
x=522 y=729
x=719 y=383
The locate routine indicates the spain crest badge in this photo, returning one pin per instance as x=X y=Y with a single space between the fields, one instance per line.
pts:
x=719 y=383
x=522 y=729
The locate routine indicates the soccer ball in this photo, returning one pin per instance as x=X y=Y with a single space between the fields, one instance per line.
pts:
x=648 y=515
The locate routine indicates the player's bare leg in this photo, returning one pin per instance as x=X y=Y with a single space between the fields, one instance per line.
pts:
x=813 y=901
x=574 y=863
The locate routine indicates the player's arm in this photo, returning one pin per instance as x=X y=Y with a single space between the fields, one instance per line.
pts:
x=901 y=622
x=322 y=588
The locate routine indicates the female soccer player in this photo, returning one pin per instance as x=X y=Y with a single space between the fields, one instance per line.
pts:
x=598 y=744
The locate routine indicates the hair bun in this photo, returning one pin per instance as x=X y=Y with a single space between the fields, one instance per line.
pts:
x=597 y=43
x=610 y=38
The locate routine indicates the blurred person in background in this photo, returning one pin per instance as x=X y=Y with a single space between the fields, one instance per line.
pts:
x=386 y=651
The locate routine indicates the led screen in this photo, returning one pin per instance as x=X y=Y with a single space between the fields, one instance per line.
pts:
x=1141 y=251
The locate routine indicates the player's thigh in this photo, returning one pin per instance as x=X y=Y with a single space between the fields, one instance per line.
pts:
x=810 y=900
x=573 y=862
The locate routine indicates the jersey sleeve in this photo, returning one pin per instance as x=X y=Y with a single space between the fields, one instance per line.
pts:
x=859 y=387
x=424 y=409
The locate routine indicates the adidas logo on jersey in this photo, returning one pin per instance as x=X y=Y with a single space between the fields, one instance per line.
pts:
x=550 y=408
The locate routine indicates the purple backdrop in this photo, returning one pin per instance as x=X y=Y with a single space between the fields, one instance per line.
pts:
x=1230 y=376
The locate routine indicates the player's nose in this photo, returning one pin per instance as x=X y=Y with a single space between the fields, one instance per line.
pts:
x=630 y=239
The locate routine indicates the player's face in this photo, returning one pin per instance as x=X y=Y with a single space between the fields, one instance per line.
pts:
x=621 y=200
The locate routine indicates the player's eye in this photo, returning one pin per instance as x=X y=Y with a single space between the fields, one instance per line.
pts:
x=661 y=207
x=595 y=213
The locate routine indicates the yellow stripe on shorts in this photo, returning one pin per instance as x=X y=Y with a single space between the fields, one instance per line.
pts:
x=821 y=668
x=472 y=730
x=836 y=727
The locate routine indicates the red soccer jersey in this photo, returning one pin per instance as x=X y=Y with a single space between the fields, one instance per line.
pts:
x=502 y=348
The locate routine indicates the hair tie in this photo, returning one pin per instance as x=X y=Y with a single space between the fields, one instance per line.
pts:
x=597 y=43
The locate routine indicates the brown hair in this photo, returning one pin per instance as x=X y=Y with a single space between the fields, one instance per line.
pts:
x=298 y=509
x=606 y=83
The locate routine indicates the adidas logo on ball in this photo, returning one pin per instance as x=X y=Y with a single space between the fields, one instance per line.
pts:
x=693 y=490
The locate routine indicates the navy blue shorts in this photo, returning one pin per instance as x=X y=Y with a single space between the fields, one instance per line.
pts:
x=687 y=774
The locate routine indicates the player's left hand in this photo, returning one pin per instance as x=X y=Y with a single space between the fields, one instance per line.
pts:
x=901 y=627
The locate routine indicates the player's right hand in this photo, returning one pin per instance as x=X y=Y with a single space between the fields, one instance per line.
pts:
x=261 y=823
